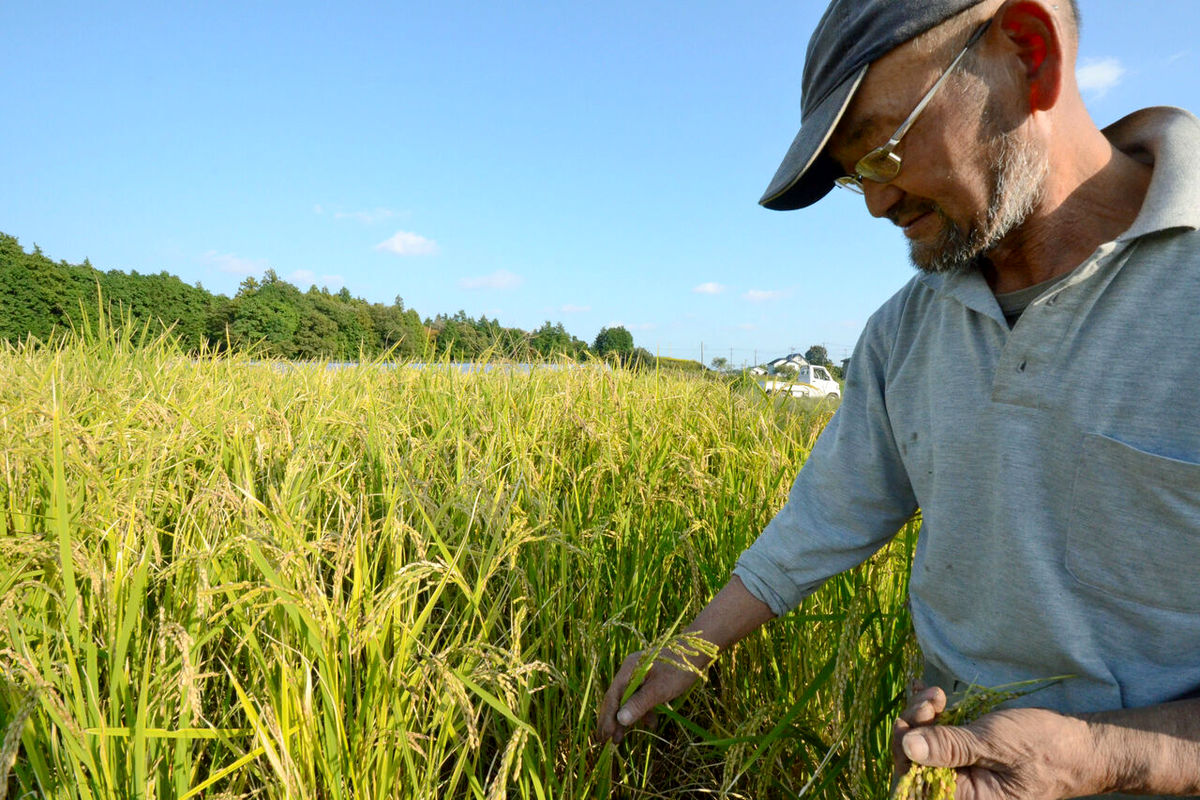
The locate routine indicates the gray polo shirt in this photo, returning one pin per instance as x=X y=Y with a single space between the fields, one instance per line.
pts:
x=1056 y=463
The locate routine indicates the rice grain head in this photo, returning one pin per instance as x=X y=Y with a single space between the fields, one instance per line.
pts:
x=12 y=740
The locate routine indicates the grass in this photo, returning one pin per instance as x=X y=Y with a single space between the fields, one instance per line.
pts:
x=226 y=578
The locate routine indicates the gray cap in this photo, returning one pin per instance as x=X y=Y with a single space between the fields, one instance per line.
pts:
x=850 y=35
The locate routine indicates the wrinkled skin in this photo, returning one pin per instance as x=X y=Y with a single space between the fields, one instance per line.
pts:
x=1014 y=754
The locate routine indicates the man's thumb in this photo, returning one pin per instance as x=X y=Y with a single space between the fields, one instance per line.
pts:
x=632 y=711
x=941 y=746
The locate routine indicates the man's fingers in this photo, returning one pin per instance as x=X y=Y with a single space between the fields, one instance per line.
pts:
x=919 y=714
x=937 y=697
x=924 y=707
x=900 y=762
x=639 y=709
x=642 y=703
x=615 y=719
x=663 y=683
x=608 y=725
x=942 y=746
x=933 y=696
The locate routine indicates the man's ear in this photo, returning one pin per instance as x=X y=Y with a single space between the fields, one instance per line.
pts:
x=1036 y=35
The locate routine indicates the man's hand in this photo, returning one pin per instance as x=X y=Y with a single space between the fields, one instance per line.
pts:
x=1016 y=754
x=923 y=708
x=728 y=617
x=662 y=684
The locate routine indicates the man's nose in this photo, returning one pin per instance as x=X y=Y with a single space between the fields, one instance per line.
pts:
x=880 y=197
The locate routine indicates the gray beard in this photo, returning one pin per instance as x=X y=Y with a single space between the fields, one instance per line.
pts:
x=1018 y=172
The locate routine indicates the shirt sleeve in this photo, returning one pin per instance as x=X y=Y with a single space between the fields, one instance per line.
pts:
x=851 y=496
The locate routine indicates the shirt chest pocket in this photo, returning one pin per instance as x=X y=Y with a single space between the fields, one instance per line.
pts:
x=1135 y=525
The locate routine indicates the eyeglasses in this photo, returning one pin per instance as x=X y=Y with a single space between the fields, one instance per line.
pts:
x=882 y=164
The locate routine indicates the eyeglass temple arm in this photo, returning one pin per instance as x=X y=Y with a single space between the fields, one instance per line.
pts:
x=908 y=123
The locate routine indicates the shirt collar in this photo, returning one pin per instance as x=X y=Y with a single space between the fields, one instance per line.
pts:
x=1165 y=137
x=1168 y=139
x=969 y=288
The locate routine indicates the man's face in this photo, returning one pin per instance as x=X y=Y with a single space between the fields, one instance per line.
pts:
x=1016 y=172
x=970 y=175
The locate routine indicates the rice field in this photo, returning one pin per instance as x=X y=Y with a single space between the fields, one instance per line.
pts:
x=222 y=578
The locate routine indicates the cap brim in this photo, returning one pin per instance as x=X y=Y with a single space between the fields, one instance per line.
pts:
x=806 y=175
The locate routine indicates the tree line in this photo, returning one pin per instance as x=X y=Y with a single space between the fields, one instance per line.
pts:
x=42 y=298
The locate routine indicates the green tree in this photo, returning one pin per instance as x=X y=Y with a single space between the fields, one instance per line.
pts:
x=316 y=334
x=39 y=297
x=458 y=338
x=552 y=340
x=36 y=295
x=353 y=332
x=267 y=315
x=817 y=355
x=398 y=330
x=155 y=301
x=616 y=341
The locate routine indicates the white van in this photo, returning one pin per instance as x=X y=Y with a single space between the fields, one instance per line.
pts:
x=811 y=381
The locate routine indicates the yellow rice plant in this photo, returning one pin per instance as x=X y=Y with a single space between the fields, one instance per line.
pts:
x=224 y=577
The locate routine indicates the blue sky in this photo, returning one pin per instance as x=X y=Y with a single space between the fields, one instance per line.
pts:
x=589 y=163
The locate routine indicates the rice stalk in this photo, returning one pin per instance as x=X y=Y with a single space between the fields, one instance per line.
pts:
x=234 y=577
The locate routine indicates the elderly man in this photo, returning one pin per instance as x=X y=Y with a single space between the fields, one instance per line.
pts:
x=1060 y=496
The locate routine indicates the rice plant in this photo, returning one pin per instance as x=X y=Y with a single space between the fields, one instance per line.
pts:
x=222 y=577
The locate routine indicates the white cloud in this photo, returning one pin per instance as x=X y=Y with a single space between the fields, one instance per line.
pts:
x=747 y=326
x=236 y=265
x=1098 y=75
x=408 y=244
x=374 y=215
x=762 y=295
x=306 y=277
x=709 y=288
x=369 y=216
x=573 y=309
x=500 y=279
